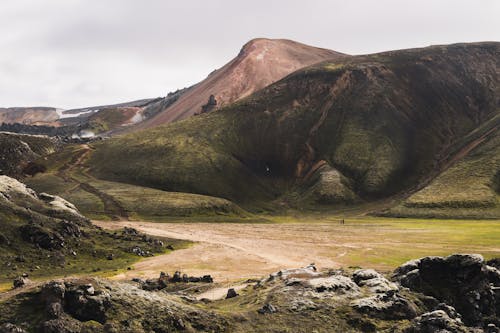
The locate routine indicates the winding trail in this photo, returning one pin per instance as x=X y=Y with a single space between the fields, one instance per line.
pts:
x=112 y=207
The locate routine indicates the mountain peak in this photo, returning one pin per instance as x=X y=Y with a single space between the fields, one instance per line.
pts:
x=260 y=62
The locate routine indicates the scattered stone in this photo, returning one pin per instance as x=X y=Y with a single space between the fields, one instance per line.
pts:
x=492 y=328
x=11 y=328
x=140 y=252
x=336 y=283
x=85 y=303
x=389 y=306
x=177 y=277
x=110 y=256
x=59 y=204
x=164 y=279
x=55 y=310
x=379 y=285
x=300 y=304
x=43 y=238
x=20 y=282
x=231 y=293
x=61 y=325
x=268 y=308
x=70 y=229
x=436 y=321
x=130 y=231
x=365 y=274
x=495 y=262
x=309 y=271
x=20 y=258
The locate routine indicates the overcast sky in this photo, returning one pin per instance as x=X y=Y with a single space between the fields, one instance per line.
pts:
x=76 y=53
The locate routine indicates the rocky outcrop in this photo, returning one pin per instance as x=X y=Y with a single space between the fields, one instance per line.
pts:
x=336 y=283
x=298 y=300
x=13 y=192
x=375 y=281
x=59 y=204
x=390 y=306
x=210 y=106
x=10 y=328
x=463 y=281
x=165 y=279
x=42 y=237
x=437 y=321
x=80 y=300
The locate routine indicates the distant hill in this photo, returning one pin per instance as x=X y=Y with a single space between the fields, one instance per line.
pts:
x=28 y=115
x=349 y=130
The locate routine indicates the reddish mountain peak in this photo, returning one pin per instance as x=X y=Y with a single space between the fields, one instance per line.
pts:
x=259 y=63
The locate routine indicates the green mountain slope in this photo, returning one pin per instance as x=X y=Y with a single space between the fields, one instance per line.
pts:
x=17 y=151
x=356 y=129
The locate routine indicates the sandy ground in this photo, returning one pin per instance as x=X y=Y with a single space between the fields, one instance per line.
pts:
x=232 y=252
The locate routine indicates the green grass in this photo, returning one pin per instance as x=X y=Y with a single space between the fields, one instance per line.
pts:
x=385 y=243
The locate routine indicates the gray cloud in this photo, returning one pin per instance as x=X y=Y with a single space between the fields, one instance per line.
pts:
x=71 y=53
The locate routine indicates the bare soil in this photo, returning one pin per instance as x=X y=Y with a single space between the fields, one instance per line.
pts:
x=233 y=252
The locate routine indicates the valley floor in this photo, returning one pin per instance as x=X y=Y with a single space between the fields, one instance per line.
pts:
x=237 y=251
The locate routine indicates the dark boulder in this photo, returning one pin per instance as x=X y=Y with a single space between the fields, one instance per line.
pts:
x=268 y=308
x=70 y=229
x=84 y=303
x=388 y=306
x=45 y=239
x=61 y=325
x=437 y=321
x=11 y=328
x=231 y=293
x=21 y=281
x=462 y=281
x=495 y=262
x=52 y=295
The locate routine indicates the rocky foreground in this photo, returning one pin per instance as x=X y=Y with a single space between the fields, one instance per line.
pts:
x=459 y=293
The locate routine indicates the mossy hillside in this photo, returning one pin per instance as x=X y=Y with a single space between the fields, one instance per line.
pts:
x=87 y=254
x=17 y=150
x=109 y=118
x=144 y=203
x=383 y=121
x=67 y=177
x=469 y=187
x=37 y=239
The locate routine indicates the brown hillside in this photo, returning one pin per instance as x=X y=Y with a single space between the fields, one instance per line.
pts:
x=259 y=63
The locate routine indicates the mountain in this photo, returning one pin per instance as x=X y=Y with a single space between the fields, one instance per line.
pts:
x=260 y=62
x=89 y=121
x=28 y=115
x=348 y=130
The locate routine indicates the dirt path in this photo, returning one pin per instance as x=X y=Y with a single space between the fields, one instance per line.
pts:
x=112 y=207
